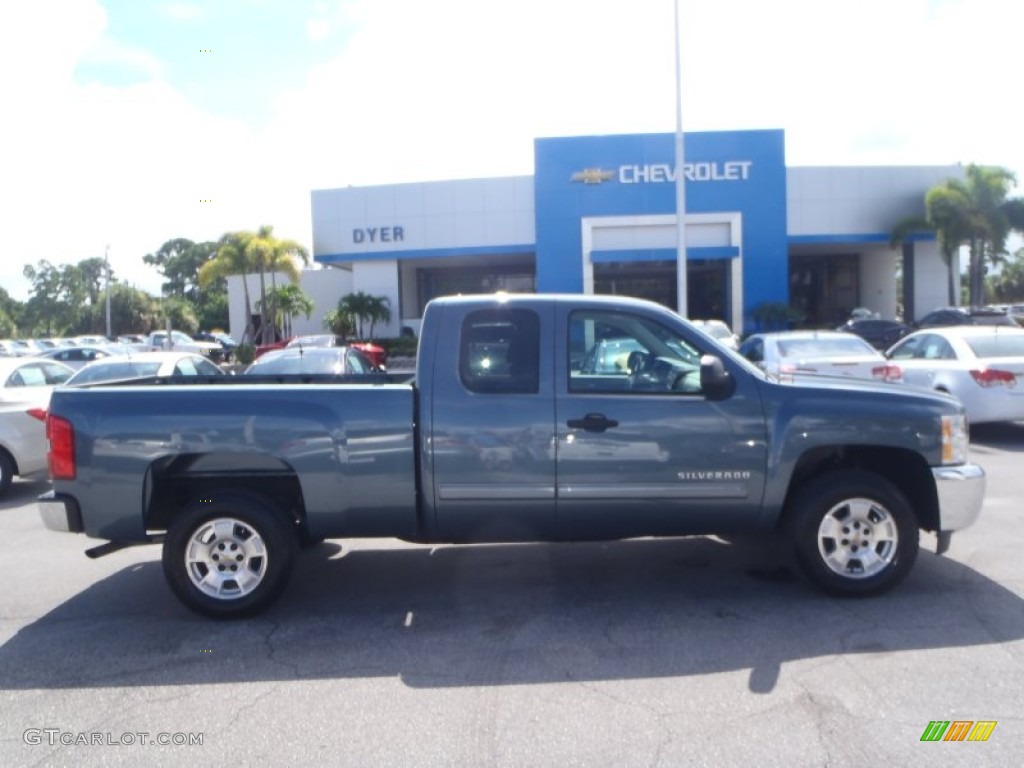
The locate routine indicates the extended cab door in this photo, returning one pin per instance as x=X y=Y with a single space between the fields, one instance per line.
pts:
x=490 y=470
x=641 y=449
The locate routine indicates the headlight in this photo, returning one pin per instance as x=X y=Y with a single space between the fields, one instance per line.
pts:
x=954 y=439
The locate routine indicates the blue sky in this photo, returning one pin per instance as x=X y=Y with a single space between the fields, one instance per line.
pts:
x=122 y=118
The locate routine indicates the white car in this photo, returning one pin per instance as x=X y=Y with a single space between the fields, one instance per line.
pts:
x=22 y=440
x=719 y=331
x=981 y=365
x=180 y=342
x=29 y=379
x=143 y=365
x=823 y=353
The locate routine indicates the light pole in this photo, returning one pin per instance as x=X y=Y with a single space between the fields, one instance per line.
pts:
x=681 y=285
x=106 y=267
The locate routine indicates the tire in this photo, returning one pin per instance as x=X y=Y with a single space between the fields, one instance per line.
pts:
x=6 y=471
x=854 y=533
x=229 y=556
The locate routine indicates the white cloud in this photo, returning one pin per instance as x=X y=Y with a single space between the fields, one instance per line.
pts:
x=182 y=11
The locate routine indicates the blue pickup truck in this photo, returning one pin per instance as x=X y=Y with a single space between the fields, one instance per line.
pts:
x=529 y=418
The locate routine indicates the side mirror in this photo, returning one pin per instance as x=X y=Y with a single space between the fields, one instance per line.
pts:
x=716 y=382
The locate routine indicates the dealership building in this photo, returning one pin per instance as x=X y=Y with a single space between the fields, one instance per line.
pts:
x=599 y=216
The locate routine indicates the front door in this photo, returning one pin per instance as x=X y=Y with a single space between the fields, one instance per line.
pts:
x=640 y=449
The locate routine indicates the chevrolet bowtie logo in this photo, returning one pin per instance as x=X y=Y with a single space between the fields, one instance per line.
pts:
x=592 y=176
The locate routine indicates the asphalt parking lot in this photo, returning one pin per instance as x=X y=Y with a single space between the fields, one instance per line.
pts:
x=646 y=653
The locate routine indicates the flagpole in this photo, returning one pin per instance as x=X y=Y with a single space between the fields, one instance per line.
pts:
x=681 y=264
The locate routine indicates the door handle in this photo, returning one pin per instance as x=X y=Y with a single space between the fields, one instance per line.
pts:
x=592 y=422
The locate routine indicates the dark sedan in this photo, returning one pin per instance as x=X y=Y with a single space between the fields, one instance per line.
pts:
x=880 y=334
x=966 y=316
x=312 y=360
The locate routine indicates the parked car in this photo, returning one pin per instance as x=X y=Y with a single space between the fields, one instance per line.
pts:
x=828 y=353
x=880 y=334
x=22 y=440
x=228 y=344
x=13 y=348
x=181 y=342
x=26 y=379
x=298 y=359
x=76 y=357
x=377 y=355
x=982 y=366
x=720 y=331
x=966 y=316
x=143 y=365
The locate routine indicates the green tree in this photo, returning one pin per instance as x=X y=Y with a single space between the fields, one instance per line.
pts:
x=340 y=322
x=977 y=213
x=272 y=254
x=1008 y=286
x=232 y=258
x=290 y=301
x=180 y=313
x=366 y=308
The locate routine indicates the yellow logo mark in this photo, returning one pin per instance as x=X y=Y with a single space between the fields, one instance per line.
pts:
x=592 y=176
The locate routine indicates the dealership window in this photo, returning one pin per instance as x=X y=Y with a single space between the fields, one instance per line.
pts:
x=434 y=282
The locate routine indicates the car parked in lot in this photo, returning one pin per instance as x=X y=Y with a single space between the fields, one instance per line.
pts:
x=180 y=342
x=825 y=353
x=982 y=366
x=880 y=334
x=143 y=365
x=22 y=439
x=966 y=316
x=228 y=345
x=719 y=331
x=76 y=357
x=26 y=379
x=312 y=360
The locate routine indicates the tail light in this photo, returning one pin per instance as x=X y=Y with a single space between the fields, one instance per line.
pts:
x=37 y=413
x=993 y=377
x=887 y=373
x=61 y=455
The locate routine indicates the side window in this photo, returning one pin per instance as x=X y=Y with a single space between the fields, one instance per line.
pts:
x=205 y=368
x=909 y=349
x=31 y=376
x=613 y=351
x=185 y=367
x=357 y=363
x=56 y=374
x=499 y=351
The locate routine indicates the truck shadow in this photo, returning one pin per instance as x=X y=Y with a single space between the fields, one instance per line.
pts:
x=505 y=614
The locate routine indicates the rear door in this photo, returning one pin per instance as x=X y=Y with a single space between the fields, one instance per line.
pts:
x=490 y=448
x=642 y=450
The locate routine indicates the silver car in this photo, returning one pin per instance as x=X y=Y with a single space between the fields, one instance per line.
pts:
x=823 y=353
x=982 y=366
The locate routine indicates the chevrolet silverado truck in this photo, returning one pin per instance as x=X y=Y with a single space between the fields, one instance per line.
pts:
x=529 y=418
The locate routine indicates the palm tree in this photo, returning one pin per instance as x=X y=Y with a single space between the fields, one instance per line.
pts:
x=232 y=257
x=379 y=311
x=290 y=301
x=269 y=253
x=977 y=213
x=360 y=306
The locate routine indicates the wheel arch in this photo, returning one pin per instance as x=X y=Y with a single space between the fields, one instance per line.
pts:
x=903 y=468
x=174 y=482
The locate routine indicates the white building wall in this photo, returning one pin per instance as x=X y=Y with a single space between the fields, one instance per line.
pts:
x=852 y=200
x=931 y=279
x=877 y=277
x=467 y=213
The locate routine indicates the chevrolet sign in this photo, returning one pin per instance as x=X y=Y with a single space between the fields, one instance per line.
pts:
x=592 y=176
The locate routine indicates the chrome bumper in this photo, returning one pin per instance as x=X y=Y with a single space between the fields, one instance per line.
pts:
x=961 y=491
x=60 y=513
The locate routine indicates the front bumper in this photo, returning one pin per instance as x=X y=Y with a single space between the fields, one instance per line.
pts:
x=60 y=513
x=961 y=491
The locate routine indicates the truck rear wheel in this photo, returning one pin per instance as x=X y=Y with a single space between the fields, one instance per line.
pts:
x=229 y=555
x=854 y=533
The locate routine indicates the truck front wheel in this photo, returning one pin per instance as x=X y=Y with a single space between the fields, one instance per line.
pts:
x=854 y=533
x=229 y=555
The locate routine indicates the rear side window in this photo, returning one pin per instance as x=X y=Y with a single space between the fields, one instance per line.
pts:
x=499 y=351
